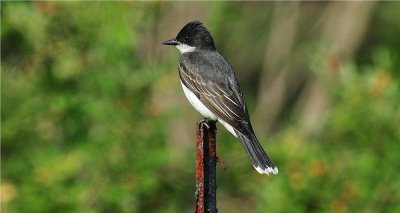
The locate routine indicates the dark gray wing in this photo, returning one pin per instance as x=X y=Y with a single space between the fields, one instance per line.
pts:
x=211 y=79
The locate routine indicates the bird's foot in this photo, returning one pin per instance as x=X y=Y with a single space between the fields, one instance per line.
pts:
x=205 y=122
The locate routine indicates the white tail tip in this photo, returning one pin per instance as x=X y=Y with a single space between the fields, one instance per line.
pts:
x=267 y=170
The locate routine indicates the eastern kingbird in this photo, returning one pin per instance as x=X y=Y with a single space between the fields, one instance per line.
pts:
x=210 y=85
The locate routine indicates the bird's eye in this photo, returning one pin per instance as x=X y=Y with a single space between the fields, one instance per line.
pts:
x=186 y=38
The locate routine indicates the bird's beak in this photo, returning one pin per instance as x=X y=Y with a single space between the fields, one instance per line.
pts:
x=171 y=42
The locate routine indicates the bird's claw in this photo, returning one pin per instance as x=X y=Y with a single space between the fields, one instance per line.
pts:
x=205 y=121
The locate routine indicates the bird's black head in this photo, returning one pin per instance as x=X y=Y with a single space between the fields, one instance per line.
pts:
x=196 y=35
x=193 y=34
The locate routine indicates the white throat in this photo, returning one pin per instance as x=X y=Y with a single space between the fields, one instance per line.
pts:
x=184 y=48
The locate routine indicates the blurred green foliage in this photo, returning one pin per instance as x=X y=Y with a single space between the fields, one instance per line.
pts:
x=80 y=132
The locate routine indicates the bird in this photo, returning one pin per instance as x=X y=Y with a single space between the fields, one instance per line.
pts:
x=211 y=86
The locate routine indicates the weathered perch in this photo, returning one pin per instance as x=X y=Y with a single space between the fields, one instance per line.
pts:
x=206 y=159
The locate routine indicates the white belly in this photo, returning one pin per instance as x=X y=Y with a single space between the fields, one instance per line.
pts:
x=204 y=111
x=196 y=103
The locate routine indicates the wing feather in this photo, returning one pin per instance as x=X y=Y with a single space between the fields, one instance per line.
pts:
x=218 y=94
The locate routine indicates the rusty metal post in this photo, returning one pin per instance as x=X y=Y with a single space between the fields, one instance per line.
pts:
x=206 y=175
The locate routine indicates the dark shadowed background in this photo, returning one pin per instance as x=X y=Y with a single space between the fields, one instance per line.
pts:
x=93 y=118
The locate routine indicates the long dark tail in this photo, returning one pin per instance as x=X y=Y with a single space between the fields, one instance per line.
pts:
x=258 y=156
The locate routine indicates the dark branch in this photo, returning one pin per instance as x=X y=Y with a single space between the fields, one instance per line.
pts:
x=206 y=159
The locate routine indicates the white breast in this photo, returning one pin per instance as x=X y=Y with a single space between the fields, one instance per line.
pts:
x=196 y=103
x=204 y=111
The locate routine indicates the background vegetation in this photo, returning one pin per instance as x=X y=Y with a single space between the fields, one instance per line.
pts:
x=94 y=120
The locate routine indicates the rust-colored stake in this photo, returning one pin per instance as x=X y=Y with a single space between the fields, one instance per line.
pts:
x=206 y=175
